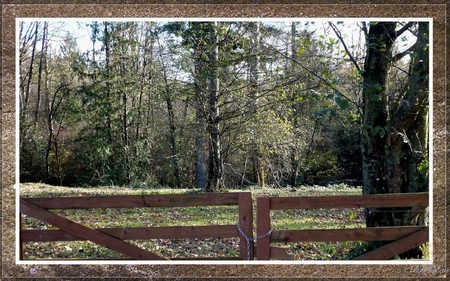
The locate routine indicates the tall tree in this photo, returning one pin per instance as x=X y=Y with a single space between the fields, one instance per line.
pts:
x=172 y=128
x=41 y=69
x=386 y=127
x=254 y=66
x=215 y=170
x=228 y=103
x=294 y=106
x=199 y=88
x=394 y=133
x=29 y=75
x=377 y=66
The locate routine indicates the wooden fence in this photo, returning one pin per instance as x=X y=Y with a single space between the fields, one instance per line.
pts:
x=404 y=237
x=113 y=238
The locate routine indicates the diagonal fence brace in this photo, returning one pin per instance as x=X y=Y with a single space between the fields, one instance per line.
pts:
x=87 y=233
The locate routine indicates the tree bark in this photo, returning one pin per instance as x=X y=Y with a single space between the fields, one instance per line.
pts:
x=295 y=109
x=126 y=138
x=394 y=143
x=173 y=143
x=377 y=66
x=49 y=141
x=106 y=42
x=254 y=61
x=30 y=70
x=42 y=61
x=201 y=175
x=200 y=85
x=215 y=174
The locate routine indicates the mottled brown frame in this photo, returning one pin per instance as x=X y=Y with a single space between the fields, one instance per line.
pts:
x=321 y=8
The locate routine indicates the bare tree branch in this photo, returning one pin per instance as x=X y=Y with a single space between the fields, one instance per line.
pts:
x=328 y=83
x=365 y=30
x=339 y=35
x=406 y=52
x=403 y=29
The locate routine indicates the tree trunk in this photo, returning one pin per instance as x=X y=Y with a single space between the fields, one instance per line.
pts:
x=42 y=61
x=394 y=143
x=126 y=141
x=172 y=128
x=50 y=106
x=409 y=125
x=173 y=143
x=200 y=85
x=377 y=66
x=295 y=109
x=30 y=70
x=106 y=42
x=215 y=158
x=256 y=153
x=412 y=117
x=201 y=175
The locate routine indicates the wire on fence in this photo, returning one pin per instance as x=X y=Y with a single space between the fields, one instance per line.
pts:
x=248 y=239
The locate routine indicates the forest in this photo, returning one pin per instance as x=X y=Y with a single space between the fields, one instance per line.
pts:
x=215 y=105
x=279 y=108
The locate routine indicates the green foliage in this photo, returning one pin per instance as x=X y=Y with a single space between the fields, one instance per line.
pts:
x=327 y=250
x=111 y=119
x=32 y=150
x=359 y=248
x=320 y=167
x=425 y=249
x=423 y=166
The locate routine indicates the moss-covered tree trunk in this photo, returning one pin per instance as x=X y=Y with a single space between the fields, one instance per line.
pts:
x=394 y=135
x=200 y=89
x=377 y=66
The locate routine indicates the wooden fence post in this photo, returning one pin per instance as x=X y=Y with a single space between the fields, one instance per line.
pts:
x=263 y=227
x=246 y=224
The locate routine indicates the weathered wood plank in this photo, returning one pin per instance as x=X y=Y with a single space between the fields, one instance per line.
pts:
x=278 y=253
x=351 y=234
x=395 y=248
x=263 y=226
x=350 y=201
x=136 y=201
x=246 y=224
x=86 y=233
x=138 y=233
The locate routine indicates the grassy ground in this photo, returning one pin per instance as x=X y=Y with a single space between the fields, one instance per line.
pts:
x=190 y=248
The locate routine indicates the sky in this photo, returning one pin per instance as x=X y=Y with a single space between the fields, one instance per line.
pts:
x=348 y=27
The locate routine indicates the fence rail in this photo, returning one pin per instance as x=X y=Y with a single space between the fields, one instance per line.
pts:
x=138 y=233
x=404 y=237
x=137 y=201
x=350 y=234
x=390 y=200
x=113 y=238
x=408 y=236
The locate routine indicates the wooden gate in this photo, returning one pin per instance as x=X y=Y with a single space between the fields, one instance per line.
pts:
x=114 y=238
x=404 y=237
